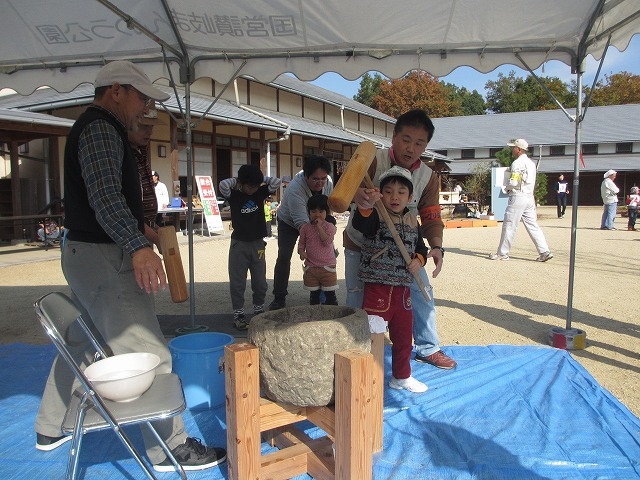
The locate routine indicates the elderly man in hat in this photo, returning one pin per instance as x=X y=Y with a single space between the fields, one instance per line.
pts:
x=108 y=262
x=522 y=205
x=609 y=193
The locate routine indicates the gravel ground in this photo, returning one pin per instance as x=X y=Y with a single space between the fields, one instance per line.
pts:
x=480 y=302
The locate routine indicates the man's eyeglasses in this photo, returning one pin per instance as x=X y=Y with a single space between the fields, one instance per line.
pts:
x=318 y=180
x=143 y=98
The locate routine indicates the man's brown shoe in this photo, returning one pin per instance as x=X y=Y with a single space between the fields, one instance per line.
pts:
x=438 y=359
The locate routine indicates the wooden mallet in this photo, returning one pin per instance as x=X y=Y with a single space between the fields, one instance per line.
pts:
x=342 y=195
x=173 y=264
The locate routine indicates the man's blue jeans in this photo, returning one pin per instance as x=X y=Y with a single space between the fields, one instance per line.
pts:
x=425 y=335
x=608 y=215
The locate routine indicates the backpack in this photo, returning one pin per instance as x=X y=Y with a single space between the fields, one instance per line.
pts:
x=628 y=199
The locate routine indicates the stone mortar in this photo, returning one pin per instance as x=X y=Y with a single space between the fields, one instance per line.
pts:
x=297 y=347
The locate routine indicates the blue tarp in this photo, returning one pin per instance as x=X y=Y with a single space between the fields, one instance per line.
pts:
x=505 y=412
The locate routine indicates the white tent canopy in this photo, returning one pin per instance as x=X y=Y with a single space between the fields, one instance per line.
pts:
x=62 y=43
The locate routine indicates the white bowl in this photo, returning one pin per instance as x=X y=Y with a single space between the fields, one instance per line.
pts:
x=123 y=378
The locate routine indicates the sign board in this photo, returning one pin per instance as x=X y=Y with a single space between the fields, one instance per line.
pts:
x=210 y=211
x=499 y=196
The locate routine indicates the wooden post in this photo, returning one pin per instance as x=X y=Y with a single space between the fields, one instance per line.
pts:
x=242 y=382
x=354 y=415
x=377 y=393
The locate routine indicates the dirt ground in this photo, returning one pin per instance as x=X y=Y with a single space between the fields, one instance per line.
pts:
x=480 y=302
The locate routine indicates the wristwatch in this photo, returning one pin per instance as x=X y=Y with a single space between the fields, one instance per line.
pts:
x=439 y=248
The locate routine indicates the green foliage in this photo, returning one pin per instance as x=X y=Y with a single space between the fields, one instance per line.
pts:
x=540 y=191
x=506 y=94
x=369 y=88
x=472 y=103
x=477 y=186
x=509 y=94
x=504 y=157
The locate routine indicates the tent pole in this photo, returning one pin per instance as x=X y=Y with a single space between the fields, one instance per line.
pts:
x=189 y=219
x=575 y=192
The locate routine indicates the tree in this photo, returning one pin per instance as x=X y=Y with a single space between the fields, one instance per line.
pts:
x=540 y=190
x=504 y=157
x=417 y=89
x=510 y=94
x=472 y=102
x=369 y=88
x=617 y=89
x=477 y=186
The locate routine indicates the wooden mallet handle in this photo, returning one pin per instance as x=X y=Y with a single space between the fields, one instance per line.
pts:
x=173 y=264
x=382 y=211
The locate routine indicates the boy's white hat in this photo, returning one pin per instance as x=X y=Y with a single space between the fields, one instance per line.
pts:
x=396 y=171
x=608 y=173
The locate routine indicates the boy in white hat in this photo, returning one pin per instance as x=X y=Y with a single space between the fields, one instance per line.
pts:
x=387 y=278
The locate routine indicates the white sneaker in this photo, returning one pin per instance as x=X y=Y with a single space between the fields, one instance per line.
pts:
x=495 y=256
x=410 y=384
x=545 y=256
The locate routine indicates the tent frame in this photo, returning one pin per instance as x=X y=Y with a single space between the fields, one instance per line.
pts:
x=605 y=19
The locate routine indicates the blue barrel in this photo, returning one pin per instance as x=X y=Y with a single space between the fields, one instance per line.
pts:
x=198 y=359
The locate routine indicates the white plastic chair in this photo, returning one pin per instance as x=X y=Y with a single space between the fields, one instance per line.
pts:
x=88 y=411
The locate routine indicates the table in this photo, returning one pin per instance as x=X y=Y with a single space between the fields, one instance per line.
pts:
x=176 y=214
x=470 y=208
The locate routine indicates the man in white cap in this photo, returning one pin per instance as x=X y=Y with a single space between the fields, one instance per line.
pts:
x=107 y=261
x=522 y=205
x=609 y=193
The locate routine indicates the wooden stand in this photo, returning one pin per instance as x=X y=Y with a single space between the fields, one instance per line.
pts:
x=353 y=425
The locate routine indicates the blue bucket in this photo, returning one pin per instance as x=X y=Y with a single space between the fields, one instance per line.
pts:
x=198 y=359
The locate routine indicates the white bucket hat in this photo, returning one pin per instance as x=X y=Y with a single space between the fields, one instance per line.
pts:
x=609 y=173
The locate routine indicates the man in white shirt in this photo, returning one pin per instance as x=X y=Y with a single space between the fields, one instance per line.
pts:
x=522 y=205
x=609 y=193
x=162 y=194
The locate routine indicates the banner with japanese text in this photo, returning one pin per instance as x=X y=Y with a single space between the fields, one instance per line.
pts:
x=210 y=211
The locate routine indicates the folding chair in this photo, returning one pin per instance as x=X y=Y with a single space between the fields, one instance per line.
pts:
x=88 y=411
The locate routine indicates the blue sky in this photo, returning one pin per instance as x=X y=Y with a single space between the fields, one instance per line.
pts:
x=615 y=62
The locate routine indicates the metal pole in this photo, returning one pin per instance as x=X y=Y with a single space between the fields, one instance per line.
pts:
x=189 y=219
x=574 y=198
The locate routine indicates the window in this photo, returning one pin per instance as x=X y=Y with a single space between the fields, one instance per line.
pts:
x=308 y=151
x=626 y=147
x=493 y=152
x=590 y=149
x=556 y=150
x=468 y=153
x=200 y=138
x=441 y=152
x=23 y=148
